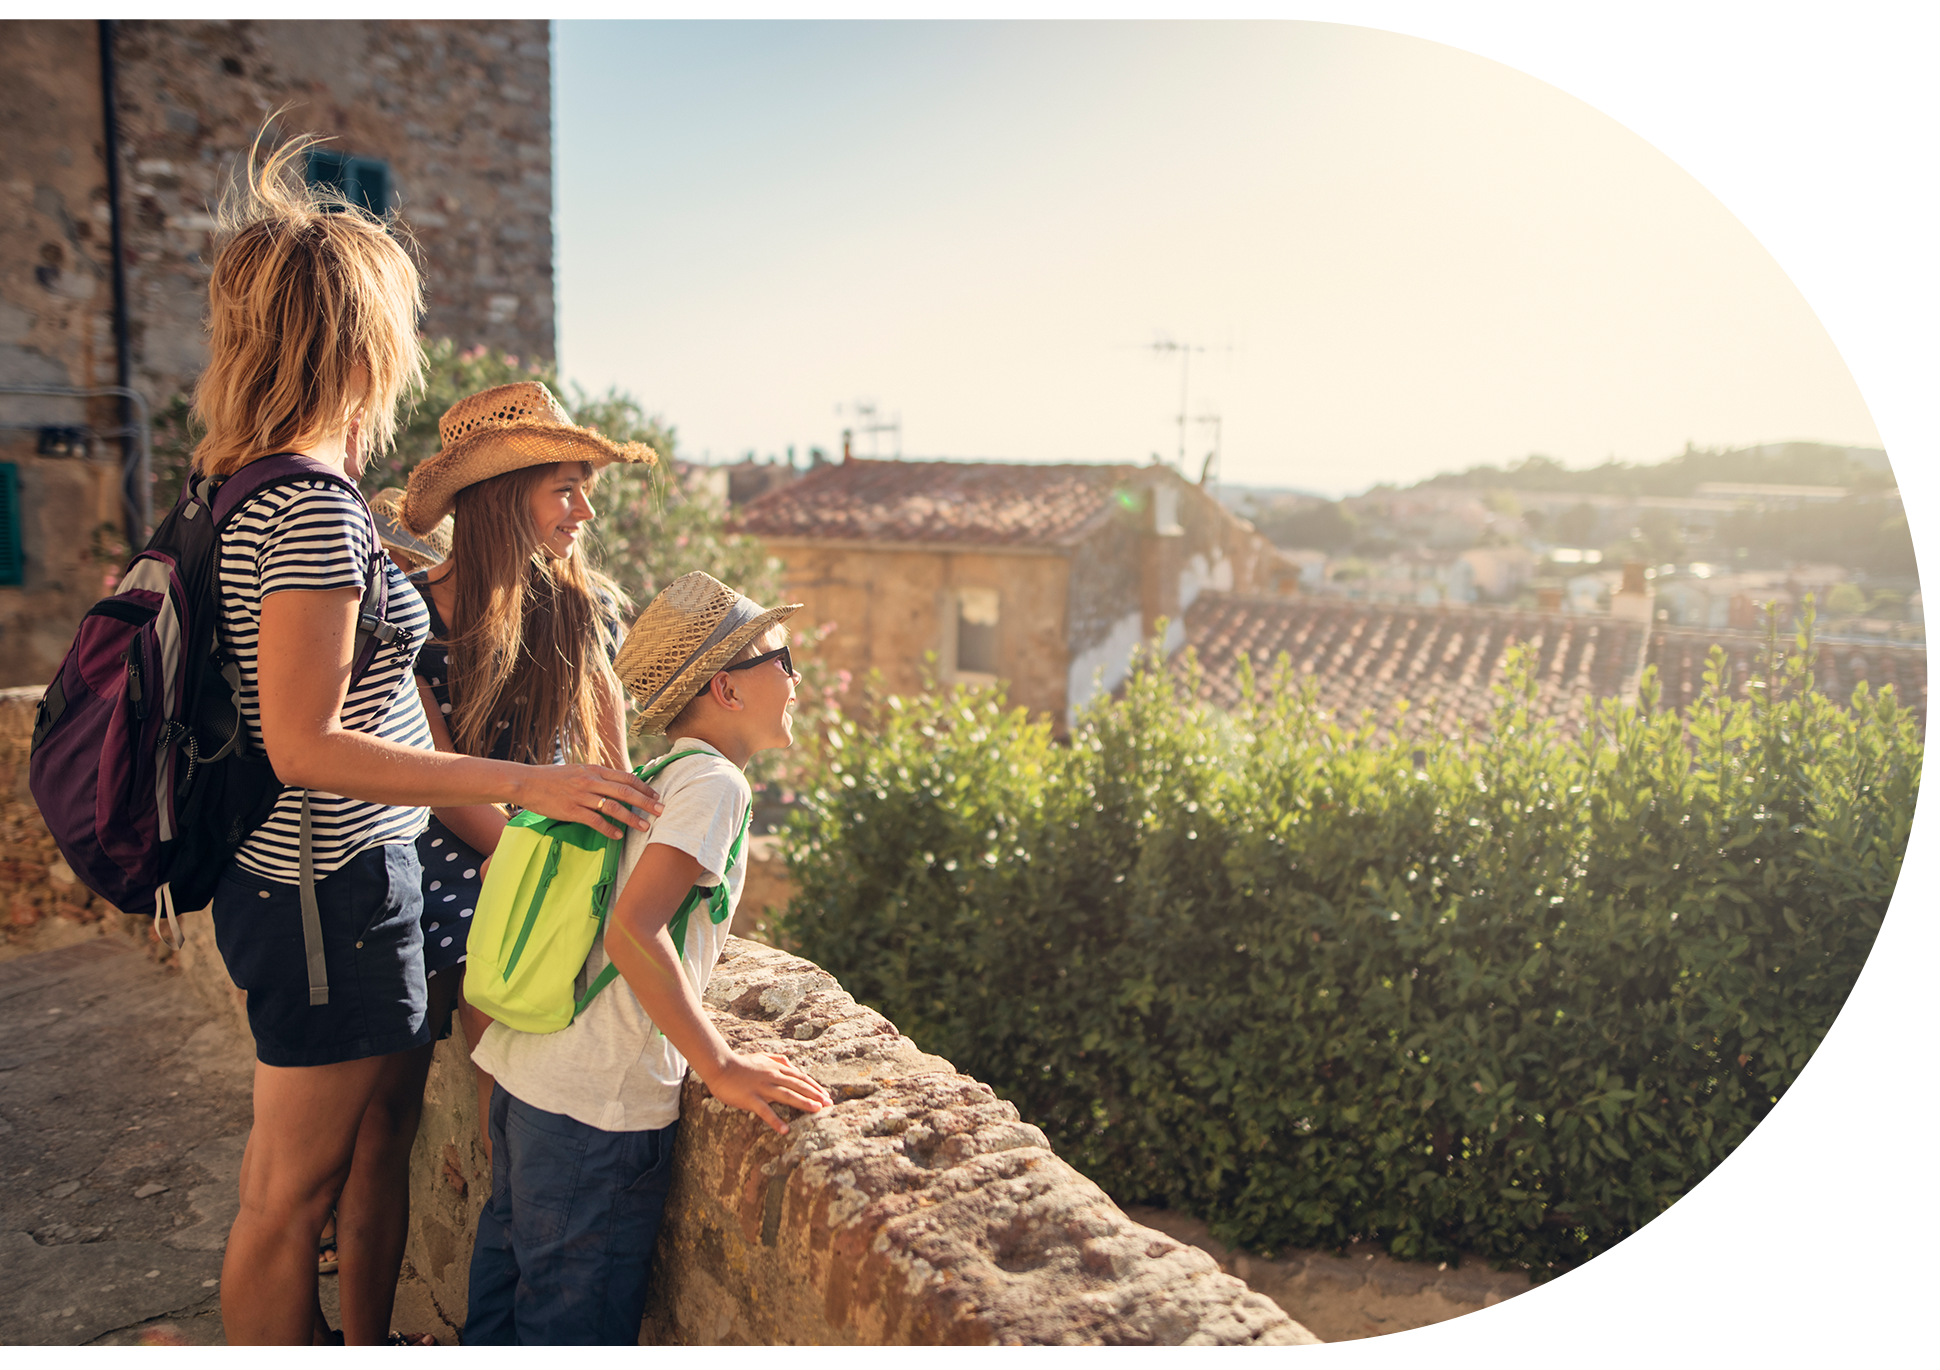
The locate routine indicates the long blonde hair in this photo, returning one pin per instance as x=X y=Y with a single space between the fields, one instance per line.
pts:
x=305 y=289
x=528 y=645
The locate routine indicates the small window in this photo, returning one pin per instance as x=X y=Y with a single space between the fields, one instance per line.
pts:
x=977 y=632
x=11 y=561
x=363 y=181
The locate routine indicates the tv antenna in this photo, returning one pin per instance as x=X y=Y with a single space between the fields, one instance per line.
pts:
x=870 y=421
x=1209 y=472
x=1184 y=351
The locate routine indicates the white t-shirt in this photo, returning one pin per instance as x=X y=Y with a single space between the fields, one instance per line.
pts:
x=611 y=1069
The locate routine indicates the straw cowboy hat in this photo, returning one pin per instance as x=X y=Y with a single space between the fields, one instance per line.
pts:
x=498 y=430
x=387 y=506
x=692 y=629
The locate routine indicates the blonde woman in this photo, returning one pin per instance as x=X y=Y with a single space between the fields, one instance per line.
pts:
x=523 y=632
x=313 y=310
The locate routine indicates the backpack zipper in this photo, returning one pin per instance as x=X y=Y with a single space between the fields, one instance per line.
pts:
x=546 y=873
x=135 y=693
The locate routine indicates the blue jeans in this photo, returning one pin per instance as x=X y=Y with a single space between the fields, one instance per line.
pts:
x=565 y=1241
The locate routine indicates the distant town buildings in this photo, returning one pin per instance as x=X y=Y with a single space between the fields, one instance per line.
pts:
x=1450 y=542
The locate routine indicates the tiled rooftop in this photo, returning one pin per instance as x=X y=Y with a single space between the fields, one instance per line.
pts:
x=973 y=503
x=1679 y=655
x=1443 y=661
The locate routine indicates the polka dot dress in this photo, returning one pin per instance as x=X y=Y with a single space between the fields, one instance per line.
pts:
x=451 y=867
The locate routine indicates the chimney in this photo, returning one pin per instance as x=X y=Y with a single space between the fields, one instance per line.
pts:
x=1549 y=599
x=1160 y=547
x=846 y=437
x=1636 y=600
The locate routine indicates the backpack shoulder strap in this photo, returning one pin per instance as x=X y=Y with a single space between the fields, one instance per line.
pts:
x=653 y=768
x=715 y=896
x=372 y=632
x=747 y=822
x=279 y=468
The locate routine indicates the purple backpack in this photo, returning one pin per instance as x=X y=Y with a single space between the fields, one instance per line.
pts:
x=141 y=763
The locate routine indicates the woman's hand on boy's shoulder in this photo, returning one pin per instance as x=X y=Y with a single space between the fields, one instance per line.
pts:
x=598 y=796
x=752 y=1083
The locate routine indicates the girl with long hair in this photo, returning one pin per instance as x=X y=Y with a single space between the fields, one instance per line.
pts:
x=523 y=631
x=313 y=311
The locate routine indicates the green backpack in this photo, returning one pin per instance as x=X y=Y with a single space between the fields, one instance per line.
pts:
x=548 y=893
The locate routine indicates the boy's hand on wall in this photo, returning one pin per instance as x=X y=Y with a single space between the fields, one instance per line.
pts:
x=751 y=1083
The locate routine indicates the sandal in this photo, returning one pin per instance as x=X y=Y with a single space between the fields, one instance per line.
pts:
x=327 y=1248
x=420 y=1339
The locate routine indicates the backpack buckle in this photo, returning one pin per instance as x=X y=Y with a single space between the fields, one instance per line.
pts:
x=383 y=631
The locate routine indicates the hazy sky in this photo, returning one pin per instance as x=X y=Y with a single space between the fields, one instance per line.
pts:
x=1403 y=258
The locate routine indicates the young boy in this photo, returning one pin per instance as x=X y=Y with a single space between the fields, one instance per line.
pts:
x=583 y=1120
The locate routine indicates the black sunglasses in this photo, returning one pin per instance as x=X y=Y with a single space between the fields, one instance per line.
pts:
x=787 y=662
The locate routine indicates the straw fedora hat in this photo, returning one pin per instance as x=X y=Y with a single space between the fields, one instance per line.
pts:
x=387 y=507
x=498 y=430
x=692 y=629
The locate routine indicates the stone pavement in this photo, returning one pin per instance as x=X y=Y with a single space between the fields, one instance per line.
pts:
x=124 y=1106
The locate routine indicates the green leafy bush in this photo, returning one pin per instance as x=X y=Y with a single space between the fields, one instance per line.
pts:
x=1506 y=993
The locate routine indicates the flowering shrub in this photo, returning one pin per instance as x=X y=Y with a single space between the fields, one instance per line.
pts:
x=1506 y=993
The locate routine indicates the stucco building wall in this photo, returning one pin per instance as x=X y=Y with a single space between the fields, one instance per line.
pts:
x=891 y=606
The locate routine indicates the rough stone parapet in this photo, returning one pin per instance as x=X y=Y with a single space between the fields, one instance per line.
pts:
x=919 y=1210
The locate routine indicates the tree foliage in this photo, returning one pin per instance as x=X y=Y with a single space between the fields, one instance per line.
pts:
x=1506 y=993
x=1791 y=463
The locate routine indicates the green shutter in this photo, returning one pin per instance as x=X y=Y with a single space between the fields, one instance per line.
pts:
x=364 y=181
x=10 y=556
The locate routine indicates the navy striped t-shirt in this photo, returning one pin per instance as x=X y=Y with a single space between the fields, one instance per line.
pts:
x=315 y=535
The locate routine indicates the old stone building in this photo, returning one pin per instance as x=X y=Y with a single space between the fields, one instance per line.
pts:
x=448 y=123
x=1044 y=576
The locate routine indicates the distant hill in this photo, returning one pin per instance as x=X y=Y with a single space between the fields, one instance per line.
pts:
x=1783 y=463
x=1240 y=498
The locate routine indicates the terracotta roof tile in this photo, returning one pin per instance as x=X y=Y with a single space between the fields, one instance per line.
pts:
x=1442 y=661
x=1679 y=655
x=975 y=503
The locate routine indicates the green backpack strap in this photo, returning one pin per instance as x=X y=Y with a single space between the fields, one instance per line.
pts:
x=715 y=895
x=605 y=893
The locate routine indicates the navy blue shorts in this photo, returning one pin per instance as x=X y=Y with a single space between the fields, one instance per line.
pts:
x=566 y=1239
x=373 y=956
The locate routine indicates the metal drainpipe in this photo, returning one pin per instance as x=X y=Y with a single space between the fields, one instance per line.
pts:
x=136 y=495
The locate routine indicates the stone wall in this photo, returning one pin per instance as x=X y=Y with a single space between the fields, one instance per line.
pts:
x=460 y=111
x=55 y=331
x=42 y=905
x=919 y=1210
